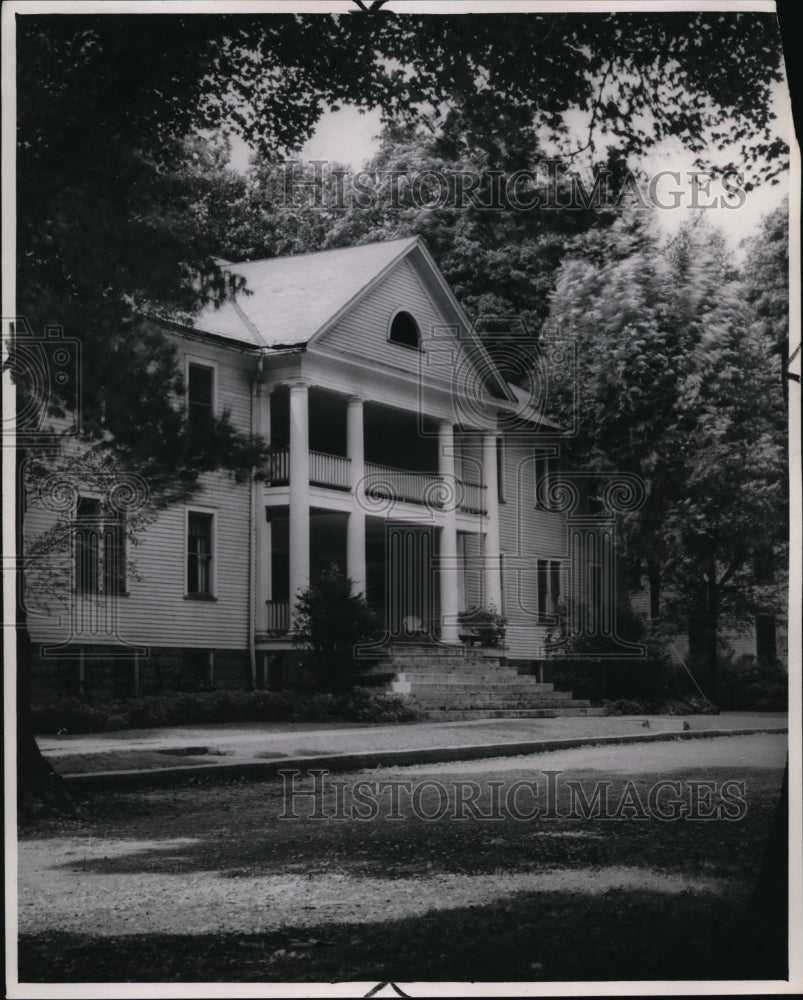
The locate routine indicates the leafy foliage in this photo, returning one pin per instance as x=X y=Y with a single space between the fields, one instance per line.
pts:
x=359 y=705
x=332 y=622
x=487 y=624
x=672 y=361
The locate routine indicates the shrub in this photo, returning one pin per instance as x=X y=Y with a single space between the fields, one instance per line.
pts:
x=364 y=705
x=686 y=706
x=331 y=621
x=592 y=666
x=486 y=623
x=747 y=684
x=359 y=705
x=74 y=716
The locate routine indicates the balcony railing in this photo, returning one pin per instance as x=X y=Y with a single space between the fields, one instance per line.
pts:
x=329 y=470
x=381 y=481
x=473 y=498
x=278 y=617
x=324 y=470
x=278 y=467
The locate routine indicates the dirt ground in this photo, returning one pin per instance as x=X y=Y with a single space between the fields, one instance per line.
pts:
x=210 y=884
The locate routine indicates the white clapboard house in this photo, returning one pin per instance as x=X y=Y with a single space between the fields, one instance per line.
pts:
x=400 y=452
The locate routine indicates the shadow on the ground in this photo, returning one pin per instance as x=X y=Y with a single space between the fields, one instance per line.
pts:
x=549 y=936
x=237 y=834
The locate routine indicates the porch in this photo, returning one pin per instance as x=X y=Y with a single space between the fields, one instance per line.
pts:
x=368 y=466
x=380 y=482
x=405 y=572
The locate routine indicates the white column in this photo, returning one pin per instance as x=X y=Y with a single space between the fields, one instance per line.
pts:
x=448 y=553
x=493 y=578
x=299 y=492
x=355 y=531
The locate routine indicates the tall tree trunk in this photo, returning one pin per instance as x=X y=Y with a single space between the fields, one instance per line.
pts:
x=39 y=788
x=654 y=576
x=712 y=631
x=755 y=945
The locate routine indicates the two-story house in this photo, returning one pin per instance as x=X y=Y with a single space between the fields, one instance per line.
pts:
x=400 y=452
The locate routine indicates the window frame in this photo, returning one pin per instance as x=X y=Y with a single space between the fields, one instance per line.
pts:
x=211 y=513
x=501 y=452
x=190 y=361
x=398 y=343
x=100 y=557
x=545 y=464
x=549 y=571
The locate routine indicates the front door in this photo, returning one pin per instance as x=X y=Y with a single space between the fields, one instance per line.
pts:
x=411 y=598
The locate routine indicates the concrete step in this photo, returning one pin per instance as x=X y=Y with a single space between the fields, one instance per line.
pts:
x=476 y=680
x=440 y=662
x=424 y=649
x=460 y=715
x=498 y=703
x=478 y=691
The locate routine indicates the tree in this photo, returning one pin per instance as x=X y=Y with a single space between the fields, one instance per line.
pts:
x=672 y=360
x=332 y=622
x=732 y=520
x=109 y=222
x=766 y=277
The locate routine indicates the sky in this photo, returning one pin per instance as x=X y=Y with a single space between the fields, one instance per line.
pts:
x=350 y=137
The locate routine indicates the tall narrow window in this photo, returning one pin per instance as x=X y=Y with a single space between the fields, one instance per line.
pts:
x=200 y=395
x=554 y=587
x=88 y=528
x=100 y=549
x=461 y=571
x=543 y=588
x=199 y=554
x=548 y=579
x=114 y=555
x=500 y=469
x=542 y=462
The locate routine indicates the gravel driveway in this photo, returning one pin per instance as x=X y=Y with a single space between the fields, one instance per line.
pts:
x=119 y=878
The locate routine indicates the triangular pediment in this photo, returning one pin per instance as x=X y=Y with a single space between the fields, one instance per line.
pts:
x=449 y=352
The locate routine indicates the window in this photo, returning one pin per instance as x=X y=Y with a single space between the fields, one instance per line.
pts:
x=87 y=546
x=199 y=554
x=200 y=395
x=500 y=469
x=548 y=589
x=114 y=555
x=100 y=552
x=404 y=330
x=461 y=571
x=546 y=466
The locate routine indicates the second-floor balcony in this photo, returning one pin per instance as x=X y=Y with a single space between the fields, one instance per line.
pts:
x=381 y=481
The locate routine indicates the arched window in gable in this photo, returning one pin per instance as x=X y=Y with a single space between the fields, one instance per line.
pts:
x=404 y=330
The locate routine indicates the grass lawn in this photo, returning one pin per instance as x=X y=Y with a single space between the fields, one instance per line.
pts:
x=208 y=884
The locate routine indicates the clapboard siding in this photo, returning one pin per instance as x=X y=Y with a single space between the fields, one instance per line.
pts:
x=234 y=372
x=364 y=331
x=527 y=534
x=156 y=611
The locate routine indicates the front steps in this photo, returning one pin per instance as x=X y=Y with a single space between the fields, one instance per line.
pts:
x=456 y=683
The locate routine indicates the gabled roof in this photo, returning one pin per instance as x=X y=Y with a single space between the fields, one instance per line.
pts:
x=294 y=297
x=295 y=300
x=526 y=409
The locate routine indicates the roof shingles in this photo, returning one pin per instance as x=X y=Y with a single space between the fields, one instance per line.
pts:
x=291 y=298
